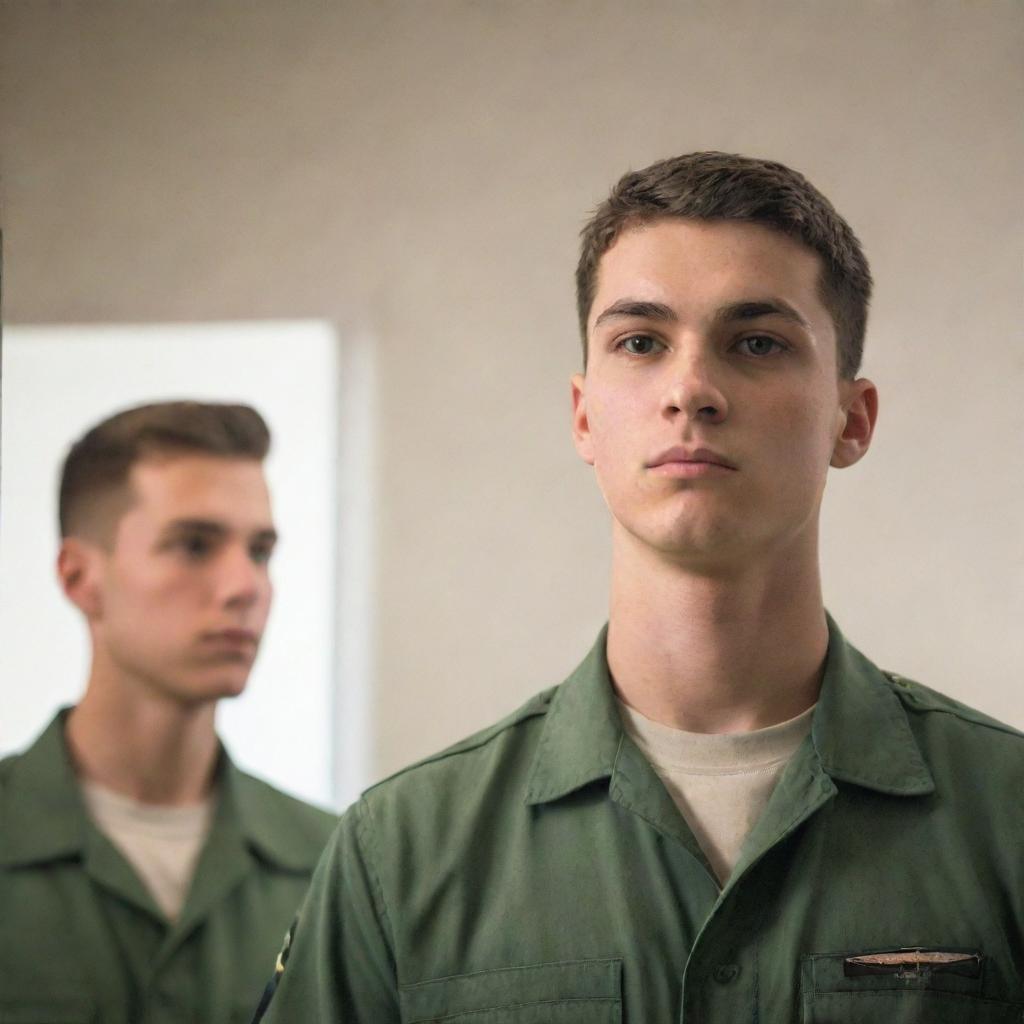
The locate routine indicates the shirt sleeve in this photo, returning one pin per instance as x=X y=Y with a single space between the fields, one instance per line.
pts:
x=340 y=964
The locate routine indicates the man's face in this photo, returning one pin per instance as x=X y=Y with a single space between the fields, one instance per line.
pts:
x=711 y=407
x=184 y=591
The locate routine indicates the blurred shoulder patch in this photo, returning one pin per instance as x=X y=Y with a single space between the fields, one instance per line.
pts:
x=282 y=957
x=279 y=966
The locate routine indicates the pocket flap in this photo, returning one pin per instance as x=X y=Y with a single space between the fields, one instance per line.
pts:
x=569 y=983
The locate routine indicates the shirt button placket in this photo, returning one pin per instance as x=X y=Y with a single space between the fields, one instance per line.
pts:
x=163 y=1005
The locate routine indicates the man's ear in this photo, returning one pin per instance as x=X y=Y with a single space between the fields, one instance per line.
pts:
x=78 y=570
x=858 y=400
x=580 y=423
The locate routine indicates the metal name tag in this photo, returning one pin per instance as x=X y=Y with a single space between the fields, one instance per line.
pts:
x=913 y=962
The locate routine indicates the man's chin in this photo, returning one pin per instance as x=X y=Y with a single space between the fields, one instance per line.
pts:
x=219 y=686
x=229 y=689
x=225 y=674
x=228 y=685
x=688 y=540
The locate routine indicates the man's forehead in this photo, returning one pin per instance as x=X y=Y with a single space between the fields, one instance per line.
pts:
x=190 y=485
x=729 y=240
x=181 y=468
x=656 y=261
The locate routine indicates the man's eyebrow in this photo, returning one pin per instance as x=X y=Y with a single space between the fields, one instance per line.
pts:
x=195 y=526
x=637 y=308
x=214 y=528
x=752 y=309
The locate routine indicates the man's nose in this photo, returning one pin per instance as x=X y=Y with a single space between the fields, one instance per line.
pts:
x=240 y=580
x=693 y=390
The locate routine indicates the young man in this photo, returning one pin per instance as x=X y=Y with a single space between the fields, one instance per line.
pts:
x=726 y=813
x=142 y=876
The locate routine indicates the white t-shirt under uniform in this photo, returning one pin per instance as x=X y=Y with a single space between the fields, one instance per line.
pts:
x=720 y=782
x=161 y=843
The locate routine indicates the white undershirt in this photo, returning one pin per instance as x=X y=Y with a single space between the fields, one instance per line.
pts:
x=720 y=782
x=161 y=843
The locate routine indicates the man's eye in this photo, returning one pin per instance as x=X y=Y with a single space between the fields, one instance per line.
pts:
x=639 y=344
x=260 y=553
x=195 y=547
x=759 y=345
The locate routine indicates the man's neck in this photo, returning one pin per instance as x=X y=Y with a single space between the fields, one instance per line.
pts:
x=141 y=744
x=716 y=652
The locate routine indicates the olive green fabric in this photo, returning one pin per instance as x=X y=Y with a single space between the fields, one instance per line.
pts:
x=539 y=873
x=81 y=939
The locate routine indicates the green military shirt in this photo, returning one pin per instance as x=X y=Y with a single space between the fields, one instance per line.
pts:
x=539 y=873
x=81 y=939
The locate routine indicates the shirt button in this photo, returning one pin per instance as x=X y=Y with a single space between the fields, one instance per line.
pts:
x=724 y=973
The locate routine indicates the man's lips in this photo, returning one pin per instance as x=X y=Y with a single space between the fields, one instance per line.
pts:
x=688 y=461
x=232 y=637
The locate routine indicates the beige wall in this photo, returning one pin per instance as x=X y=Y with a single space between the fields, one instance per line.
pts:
x=419 y=171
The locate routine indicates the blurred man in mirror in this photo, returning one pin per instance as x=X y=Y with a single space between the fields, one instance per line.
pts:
x=726 y=813
x=142 y=875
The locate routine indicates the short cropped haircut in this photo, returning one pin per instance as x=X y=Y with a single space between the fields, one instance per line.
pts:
x=724 y=186
x=98 y=464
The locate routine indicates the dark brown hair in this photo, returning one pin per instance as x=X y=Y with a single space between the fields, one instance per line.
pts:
x=724 y=186
x=98 y=464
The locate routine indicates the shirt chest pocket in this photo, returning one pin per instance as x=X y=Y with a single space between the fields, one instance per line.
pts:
x=569 y=992
x=862 y=988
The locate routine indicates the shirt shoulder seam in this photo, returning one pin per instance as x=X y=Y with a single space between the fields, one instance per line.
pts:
x=995 y=726
x=533 y=708
x=365 y=840
x=916 y=697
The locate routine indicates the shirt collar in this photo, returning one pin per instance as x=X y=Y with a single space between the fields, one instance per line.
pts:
x=43 y=816
x=581 y=733
x=860 y=730
x=266 y=820
x=860 y=727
